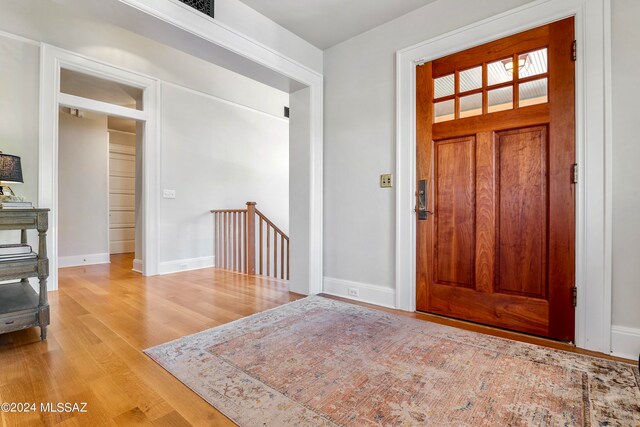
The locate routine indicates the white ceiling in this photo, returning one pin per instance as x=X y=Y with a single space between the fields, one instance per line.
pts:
x=325 y=23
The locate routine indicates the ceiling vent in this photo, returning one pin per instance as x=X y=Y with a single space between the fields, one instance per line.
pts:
x=204 y=6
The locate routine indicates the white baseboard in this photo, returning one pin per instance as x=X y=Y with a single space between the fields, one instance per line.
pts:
x=137 y=266
x=372 y=294
x=176 y=266
x=625 y=342
x=77 y=260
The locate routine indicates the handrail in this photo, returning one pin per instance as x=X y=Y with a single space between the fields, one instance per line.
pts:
x=238 y=248
x=227 y=210
x=275 y=227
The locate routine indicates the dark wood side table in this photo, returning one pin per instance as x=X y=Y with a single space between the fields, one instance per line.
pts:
x=21 y=307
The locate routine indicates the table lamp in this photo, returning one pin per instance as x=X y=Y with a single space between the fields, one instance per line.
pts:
x=10 y=173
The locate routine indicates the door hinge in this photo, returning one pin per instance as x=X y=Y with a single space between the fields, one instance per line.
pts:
x=574 y=50
x=575 y=296
x=574 y=173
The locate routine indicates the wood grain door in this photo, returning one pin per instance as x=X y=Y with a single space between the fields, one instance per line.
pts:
x=495 y=156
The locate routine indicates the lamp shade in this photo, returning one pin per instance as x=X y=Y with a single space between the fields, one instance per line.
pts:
x=10 y=168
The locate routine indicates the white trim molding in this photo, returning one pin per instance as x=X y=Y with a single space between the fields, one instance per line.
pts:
x=52 y=60
x=78 y=260
x=625 y=342
x=169 y=267
x=138 y=267
x=372 y=294
x=113 y=110
x=593 y=148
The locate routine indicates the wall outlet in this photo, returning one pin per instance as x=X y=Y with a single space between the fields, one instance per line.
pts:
x=183 y=266
x=386 y=180
x=353 y=292
x=169 y=194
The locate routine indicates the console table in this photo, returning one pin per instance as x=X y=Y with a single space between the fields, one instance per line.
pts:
x=20 y=306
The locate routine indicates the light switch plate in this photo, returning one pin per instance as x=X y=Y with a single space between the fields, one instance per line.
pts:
x=386 y=180
x=169 y=194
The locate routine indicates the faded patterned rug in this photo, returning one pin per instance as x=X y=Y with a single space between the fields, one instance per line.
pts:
x=321 y=362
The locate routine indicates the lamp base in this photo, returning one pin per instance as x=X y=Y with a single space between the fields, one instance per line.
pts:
x=5 y=190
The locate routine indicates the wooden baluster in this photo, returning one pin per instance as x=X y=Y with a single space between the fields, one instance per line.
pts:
x=261 y=245
x=225 y=222
x=215 y=238
x=268 y=248
x=244 y=242
x=282 y=256
x=235 y=243
x=251 y=238
x=239 y=248
x=275 y=254
x=288 y=259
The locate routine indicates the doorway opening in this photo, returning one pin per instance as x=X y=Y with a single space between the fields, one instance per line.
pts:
x=99 y=171
x=124 y=188
x=495 y=231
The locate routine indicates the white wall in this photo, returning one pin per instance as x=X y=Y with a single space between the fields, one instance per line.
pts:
x=626 y=176
x=217 y=156
x=19 y=81
x=359 y=134
x=299 y=156
x=83 y=182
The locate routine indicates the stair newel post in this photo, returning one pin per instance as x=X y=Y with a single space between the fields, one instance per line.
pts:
x=251 y=238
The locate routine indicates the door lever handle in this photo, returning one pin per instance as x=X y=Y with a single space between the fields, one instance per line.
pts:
x=423 y=213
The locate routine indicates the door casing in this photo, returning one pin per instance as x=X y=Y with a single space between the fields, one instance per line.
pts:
x=593 y=141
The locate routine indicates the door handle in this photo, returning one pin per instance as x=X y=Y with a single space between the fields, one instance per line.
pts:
x=423 y=213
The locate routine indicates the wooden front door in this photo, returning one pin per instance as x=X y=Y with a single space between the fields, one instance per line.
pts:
x=495 y=161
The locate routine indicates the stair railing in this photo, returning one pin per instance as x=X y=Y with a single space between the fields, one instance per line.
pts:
x=245 y=240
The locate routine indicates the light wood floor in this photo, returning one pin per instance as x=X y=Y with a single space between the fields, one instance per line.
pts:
x=104 y=316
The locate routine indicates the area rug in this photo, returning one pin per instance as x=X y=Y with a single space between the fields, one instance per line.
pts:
x=321 y=362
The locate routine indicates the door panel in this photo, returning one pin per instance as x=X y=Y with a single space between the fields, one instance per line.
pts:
x=499 y=247
x=522 y=212
x=122 y=203
x=455 y=201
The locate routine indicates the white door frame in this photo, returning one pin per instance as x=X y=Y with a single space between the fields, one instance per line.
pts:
x=52 y=60
x=593 y=151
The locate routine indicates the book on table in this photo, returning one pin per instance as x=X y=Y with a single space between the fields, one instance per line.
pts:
x=15 y=249
x=16 y=252
x=16 y=205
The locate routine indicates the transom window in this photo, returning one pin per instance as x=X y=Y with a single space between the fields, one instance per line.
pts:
x=513 y=82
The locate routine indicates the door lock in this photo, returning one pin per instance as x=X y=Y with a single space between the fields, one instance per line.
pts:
x=423 y=213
